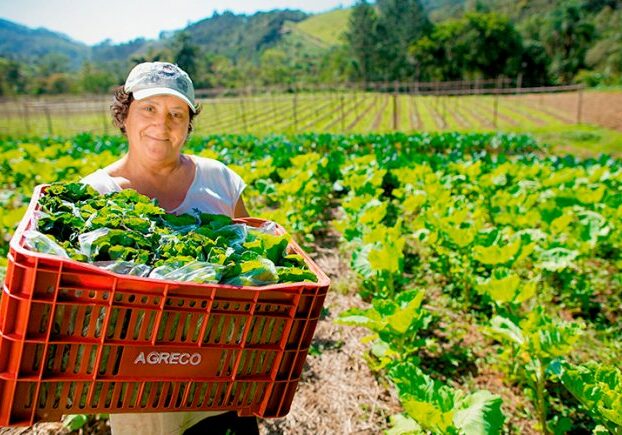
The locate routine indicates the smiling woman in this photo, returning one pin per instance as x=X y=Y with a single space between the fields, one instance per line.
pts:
x=154 y=110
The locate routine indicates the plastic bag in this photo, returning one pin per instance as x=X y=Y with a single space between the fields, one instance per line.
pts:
x=235 y=234
x=196 y=271
x=255 y=273
x=86 y=241
x=39 y=242
x=183 y=223
x=124 y=267
x=268 y=227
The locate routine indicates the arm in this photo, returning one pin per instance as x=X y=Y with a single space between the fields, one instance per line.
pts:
x=240 y=209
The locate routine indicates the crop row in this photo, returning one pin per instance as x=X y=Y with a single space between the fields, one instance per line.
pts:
x=478 y=254
x=353 y=112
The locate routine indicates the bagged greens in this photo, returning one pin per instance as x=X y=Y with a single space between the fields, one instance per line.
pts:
x=128 y=233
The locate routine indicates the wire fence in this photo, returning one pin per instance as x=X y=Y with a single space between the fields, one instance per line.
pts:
x=290 y=108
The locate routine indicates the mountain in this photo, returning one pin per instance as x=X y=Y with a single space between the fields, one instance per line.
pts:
x=234 y=36
x=325 y=29
x=23 y=43
x=241 y=36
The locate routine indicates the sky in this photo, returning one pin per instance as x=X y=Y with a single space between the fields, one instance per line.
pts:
x=92 y=21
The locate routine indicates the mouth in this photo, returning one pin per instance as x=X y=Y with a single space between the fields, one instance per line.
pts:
x=157 y=139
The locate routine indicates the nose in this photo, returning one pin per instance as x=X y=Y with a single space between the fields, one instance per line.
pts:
x=163 y=119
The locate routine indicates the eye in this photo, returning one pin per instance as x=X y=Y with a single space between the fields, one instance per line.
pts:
x=148 y=108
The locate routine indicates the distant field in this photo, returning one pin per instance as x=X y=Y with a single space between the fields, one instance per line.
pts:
x=327 y=27
x=554 y=116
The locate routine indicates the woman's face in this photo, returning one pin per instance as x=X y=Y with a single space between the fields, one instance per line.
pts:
x=157 y=127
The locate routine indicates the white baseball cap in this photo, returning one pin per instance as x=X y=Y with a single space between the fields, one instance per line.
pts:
x=156 y=78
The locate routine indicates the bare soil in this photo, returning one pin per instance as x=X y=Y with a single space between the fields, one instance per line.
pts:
x=599 y=108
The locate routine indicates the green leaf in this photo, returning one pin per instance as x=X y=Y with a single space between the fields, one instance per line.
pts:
x=527 y=291
x=402 y=424
x=274 y=246
x=295 y=274
x=386 y=257
x=368 y=318
x=403 y=317
x=496 y=254
x=428 y=415
x=462 y=236
x=10 y=218
x=179 y=221
x=501 y=287
x=75 y=421
x=589 y=194
x=479 y=413
x=506 y=329
x=598 y=387
x=557 y=259
x=549 y=337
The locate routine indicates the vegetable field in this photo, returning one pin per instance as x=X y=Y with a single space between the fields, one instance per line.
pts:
x=347 y=111
x=487 y=272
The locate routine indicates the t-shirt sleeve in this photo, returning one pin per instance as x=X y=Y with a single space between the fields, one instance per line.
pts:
x=100 y=181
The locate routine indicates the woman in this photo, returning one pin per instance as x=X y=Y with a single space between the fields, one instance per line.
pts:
x=154 y=110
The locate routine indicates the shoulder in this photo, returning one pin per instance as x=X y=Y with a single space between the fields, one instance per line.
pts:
x=101 y=181
x=208 y=164
x=211 y=168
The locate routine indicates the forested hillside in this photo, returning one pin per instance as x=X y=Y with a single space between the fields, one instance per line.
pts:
x=533 y=42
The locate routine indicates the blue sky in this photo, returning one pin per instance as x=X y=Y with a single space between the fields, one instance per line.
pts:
x=122 y=20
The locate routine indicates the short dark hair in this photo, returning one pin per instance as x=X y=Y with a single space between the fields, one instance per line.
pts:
x=120 y=107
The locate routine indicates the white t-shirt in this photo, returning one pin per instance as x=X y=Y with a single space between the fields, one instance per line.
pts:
x=215 y=189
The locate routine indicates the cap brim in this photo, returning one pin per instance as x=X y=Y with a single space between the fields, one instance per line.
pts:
x=144 y=93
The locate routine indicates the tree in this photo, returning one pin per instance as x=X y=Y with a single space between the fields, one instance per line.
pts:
x=362 y=38
x=185 y=53
x=444 y=55
x=338 y=65
x=53 y=63
x=12 y=79
x=94 y=80
x=274 y=67
x=494 y=44
x=400 y=24
x=482 y=45
x=567 y=36
x=534 y=64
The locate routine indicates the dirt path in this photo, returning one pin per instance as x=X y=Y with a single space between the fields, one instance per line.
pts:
x=600 y=108
x=338 y=394
x=380 y=114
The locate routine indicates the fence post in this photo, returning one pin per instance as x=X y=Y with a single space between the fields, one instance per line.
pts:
x=343 y=115
x=395 y=93
x=295 y=109
x=579 y=104
x=243 y=114
x=26 y=118
x=495 y=107
x=49 y=119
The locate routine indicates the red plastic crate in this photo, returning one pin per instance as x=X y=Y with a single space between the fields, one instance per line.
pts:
x=76 y=339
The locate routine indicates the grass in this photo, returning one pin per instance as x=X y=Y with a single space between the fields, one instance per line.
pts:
x=583 y=140
x=327 y=27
